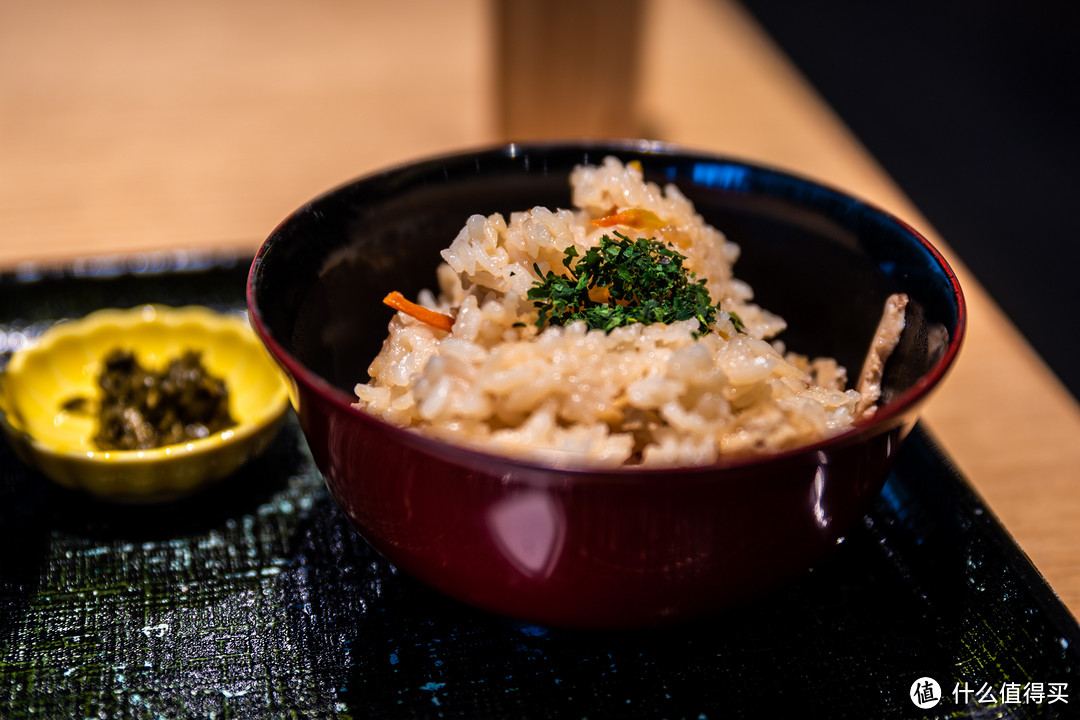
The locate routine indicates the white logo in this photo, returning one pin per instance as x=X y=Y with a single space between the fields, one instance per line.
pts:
x=925 y=692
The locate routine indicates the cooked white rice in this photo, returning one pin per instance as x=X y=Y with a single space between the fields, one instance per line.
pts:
x=656 y=395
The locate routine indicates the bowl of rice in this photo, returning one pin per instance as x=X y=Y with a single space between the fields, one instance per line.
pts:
x=603 y=384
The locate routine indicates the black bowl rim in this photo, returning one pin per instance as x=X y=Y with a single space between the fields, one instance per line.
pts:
x=887 y=417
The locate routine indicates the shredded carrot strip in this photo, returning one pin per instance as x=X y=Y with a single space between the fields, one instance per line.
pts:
x=635 y=218
x=429 y=317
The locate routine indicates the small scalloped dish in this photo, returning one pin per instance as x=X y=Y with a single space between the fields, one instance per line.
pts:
x=66 y=361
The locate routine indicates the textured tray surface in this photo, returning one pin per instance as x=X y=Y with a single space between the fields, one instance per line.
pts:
x=257 y=599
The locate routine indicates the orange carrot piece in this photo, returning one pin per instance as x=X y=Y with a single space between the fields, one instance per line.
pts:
x=635 y=218
x=429 y=317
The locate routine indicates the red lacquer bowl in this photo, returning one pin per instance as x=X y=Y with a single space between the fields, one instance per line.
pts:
x=605 y=548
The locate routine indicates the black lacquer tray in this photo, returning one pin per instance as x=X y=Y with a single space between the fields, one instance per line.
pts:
x=256 y=598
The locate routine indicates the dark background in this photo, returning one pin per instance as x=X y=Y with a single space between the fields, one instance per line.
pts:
x=972 y=107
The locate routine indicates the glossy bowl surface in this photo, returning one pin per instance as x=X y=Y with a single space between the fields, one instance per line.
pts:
x=65 y=363
x=597 y=548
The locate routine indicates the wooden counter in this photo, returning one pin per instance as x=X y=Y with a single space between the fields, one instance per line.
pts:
x=128 y=126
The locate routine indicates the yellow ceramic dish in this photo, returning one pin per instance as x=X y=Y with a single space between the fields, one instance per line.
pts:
x=66 y=362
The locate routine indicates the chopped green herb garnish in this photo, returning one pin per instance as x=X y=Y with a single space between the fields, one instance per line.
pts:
x=621 y=282
x=740 y=326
